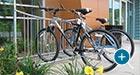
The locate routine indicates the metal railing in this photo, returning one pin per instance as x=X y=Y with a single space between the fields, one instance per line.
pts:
x=30 y=25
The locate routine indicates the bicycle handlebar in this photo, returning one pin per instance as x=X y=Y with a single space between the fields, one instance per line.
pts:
x=82 y=11
x=51 y=9
x=54 y=10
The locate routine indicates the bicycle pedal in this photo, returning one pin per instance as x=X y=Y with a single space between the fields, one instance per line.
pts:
x=99 y=57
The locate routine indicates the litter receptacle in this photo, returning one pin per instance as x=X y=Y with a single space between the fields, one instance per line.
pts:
x=117 y=35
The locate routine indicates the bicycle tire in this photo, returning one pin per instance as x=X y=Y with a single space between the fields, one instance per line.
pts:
x=130 y=44
x=83 y=54
x=47 y=48
x=67 y=50
x=127 y=38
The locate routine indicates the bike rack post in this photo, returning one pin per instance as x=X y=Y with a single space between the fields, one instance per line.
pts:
x=15 y=26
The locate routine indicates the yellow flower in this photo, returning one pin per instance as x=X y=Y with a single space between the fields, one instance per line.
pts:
x=19 y=73
x=89 y=70
x=1 y=49
x=100 y=70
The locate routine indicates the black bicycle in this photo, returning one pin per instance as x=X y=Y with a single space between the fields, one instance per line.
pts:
x=104 y=49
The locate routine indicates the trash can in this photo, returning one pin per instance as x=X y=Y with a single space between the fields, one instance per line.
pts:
x=109 y=27
x=117 y=35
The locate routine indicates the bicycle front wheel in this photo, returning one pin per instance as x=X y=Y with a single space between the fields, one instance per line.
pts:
x=71 y=35
x=47 y=45
x=98 y=52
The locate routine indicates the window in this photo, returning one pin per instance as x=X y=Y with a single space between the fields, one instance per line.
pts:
x=6 y=10
x=121 y=13
x=9 y=1
x=130 y=26
x=111 y=11
x=116 y=12
x=6 y=25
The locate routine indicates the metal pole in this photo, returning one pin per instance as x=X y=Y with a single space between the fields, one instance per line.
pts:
x=43 y=3
x=15 y=27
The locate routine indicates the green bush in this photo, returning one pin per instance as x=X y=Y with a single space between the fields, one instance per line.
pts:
x=10 y=65
x=8 y=60
x=72 y=68
x=29 y=67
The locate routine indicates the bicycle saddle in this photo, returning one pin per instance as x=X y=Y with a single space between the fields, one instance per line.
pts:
x=102 y=20
x=84 y=11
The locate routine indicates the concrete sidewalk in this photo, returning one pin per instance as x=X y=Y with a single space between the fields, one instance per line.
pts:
x=132 y=68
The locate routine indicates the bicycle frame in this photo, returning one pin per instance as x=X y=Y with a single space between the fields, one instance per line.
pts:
x=55 y=23
x=106 y=36
x=80 y=27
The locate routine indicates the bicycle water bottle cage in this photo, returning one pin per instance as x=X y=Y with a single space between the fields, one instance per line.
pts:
x=102 y=20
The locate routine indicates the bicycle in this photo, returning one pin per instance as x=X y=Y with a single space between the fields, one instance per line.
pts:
x=47 y=41
x=122 y=34
x=71 y=33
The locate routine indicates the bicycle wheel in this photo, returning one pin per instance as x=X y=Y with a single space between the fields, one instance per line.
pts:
x=71 y=35
x=124 y=40
x=47 y=45
x=95 y=53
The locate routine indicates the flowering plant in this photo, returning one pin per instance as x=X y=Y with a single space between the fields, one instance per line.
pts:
x=90 y=71
x=19 y=73
x=7 y=59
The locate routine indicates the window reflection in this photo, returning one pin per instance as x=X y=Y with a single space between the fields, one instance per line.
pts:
x=130 y=19
x=116 y=11
x=8 y=1
x=110 y=11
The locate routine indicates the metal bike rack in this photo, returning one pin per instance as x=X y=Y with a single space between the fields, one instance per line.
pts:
x=28 y=20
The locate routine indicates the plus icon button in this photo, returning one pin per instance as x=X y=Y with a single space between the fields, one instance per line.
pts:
x=121 y=56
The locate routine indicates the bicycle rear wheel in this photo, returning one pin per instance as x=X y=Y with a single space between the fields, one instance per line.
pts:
x=125 y=40
x=47 y=45
x=97 y=51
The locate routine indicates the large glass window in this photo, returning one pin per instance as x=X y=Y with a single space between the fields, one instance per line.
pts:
x=130 y=26
x=9 y=1
x=6 y=10
x=6 y=25
x=111 y=11
x=123 y=15
x=116 y=12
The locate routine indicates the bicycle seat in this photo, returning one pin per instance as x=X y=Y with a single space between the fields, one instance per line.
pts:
x=102 y=20
x=84 y=11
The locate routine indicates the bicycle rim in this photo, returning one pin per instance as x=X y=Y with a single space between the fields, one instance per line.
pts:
x=93 y=56
x=125 y=40
x=47 y=45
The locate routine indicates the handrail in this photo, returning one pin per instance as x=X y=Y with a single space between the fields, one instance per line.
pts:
x=34 y=16
x=19 y=5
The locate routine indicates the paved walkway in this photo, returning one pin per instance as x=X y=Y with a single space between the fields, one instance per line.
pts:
x=133 y=68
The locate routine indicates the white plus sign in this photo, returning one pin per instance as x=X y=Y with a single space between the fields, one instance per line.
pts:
x=121 y=57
